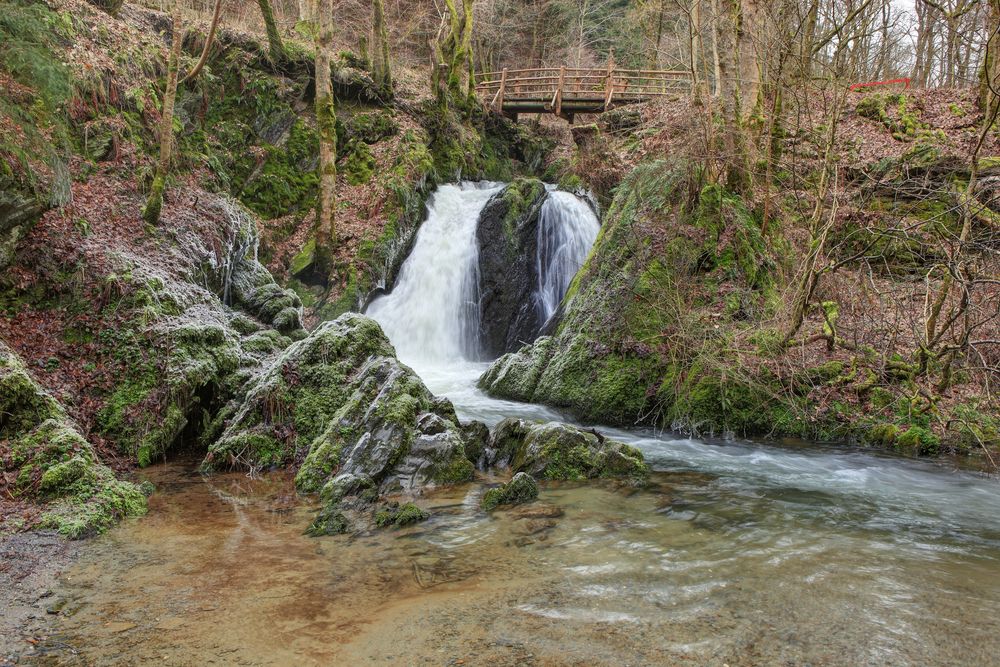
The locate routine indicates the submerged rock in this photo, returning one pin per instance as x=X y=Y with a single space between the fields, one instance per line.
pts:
x=520 y=489
x=362 y=422
x=562 y=452
x=44 y=457
x=507 y=234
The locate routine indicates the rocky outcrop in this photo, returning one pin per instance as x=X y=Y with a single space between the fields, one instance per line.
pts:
x=238 y=277
x=562 y=452
x=508 y=276
x=362 y=423
x=601 y=362
x=43 y=457
x=18 y=211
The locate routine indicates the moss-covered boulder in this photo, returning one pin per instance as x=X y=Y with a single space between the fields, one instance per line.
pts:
x=362 y=423
x=562 y=452
x=43 y=457
x=522 y=488
x=623 y=351
x=507 y=234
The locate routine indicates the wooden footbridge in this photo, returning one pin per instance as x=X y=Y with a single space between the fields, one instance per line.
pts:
x=567 y=91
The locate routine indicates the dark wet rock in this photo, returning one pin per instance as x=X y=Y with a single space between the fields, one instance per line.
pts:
x=365 y=423
x=532 y=526
x=477 y=436
x=520 y=489
x=562 y=452
x=507 y=235
x=538 y=511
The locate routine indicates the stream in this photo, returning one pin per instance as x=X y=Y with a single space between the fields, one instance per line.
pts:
x=738 y=553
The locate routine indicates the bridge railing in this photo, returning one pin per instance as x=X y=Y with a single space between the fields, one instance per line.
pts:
x=553 y=86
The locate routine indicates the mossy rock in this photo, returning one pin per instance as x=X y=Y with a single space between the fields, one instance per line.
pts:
x=398 y=516
x=562 y=452
x=918 y=440
x=359 y=165
x=52 y=463
x=372 y=127
x=522 y=488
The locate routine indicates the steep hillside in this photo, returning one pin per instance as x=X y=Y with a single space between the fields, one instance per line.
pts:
x=679 y=317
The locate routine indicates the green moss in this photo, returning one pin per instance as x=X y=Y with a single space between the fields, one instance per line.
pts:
x=883 y=435
x=59 y=478
x=319 y=466
x=458 y=470
x=88 y=514
x=372 y=127
x=359 y=165
x=521 y=489
x=330 y=521
x=399 y=516
x=918 y=440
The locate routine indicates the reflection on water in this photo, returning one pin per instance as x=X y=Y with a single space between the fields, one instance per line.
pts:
x=693 y=570
x=737 y=554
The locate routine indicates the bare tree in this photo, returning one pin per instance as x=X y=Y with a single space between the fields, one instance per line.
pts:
x=151 y=212
x=326 y=121
x=452 y=75
x=208 y=44
x=381 y=68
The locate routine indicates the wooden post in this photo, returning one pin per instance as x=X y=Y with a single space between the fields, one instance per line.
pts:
x=503 y=87
x=559 y=90
x=609 y=83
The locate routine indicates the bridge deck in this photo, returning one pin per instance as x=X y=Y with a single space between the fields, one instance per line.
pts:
x=567 y=91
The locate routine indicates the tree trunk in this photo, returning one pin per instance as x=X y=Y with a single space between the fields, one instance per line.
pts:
x=208 y=44
x=151 y=213
x=453 y=56
x=381 y=65
x=275 y=48
x=694 y=41
x=989 y=75
x=326 y=122
x=716 y=63
x=808 y=37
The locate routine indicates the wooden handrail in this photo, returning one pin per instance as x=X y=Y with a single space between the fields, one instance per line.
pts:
x=583 y=89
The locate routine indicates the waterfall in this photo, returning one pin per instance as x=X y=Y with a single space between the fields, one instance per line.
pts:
x=567 y=228
x=432 y=314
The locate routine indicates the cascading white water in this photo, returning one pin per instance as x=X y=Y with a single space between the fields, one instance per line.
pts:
x=567 y=229
x=431 y=316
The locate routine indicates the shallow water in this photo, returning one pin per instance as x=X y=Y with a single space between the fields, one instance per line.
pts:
x=736 y=554
x=681 y=572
